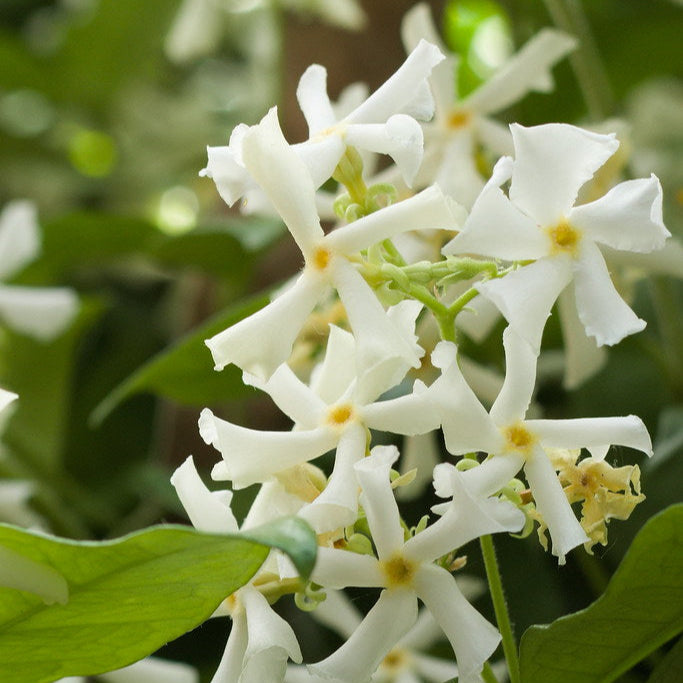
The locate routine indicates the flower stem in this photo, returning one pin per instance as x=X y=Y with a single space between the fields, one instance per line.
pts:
x=500 y=607
x=487 y=674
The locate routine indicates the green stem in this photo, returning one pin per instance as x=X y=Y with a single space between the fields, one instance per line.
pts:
x=585 y=60
x=500 y=607
x=488 y=675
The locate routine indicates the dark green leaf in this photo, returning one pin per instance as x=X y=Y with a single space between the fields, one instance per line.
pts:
x=641 y=609
x=127 y=597
x=184 y=372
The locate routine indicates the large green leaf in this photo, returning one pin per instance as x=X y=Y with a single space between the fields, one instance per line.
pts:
x=184 y=372
x=641 y=609
x=118 y=601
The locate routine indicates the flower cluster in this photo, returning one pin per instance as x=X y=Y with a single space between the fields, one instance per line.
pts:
x=410 y=250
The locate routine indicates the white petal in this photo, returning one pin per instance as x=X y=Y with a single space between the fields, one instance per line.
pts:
x=417 y=24
x=527 y=70
x=472 y=638
x=382 y=350
x=604 y=314
x=400 y=138
x=356 y=660
x=338 y=613
x=493 y=474
x=457 y=174
x=19 y=236
x=272 y=501
x=231 y=664
x=377 y=499
x=433 y=669
x=468 y=516
x=206 y=510
x=321 y=155
x=552 y=162
x=466 y=425
x=294 y=398
x=334 y=375
x=277 y=168
x=153 y=670
x=427 y=210
x=231 y=178
x=311 y=93
x=341 y=568
x=565 y=531
x=628 y=217
x=494 y=136
x=40 y=312
x=496 y=227
x=525 y=296
x=6 y=397
x=582 y=356
x=520 y=379
x=337 y=505
x=251 y=343
x=253 y=456
x=410 y=414
x=593 y=432
x=405 y=91
x=269 y=633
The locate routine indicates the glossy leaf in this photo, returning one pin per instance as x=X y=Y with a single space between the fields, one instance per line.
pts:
x=641 y=609
x=128 y=597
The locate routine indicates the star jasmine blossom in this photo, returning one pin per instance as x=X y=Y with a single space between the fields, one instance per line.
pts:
x=539 y=221
x=328 y=262
x=406 y=571
x=514 y=442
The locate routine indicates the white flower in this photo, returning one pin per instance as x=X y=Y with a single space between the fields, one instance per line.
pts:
x=515 y=443
x=40 y=312
x=460 y=124
x=383 y=123
x=260 y=641
x=252 y=343
x=406 y=661
x=406 y=571
x=540 y=222
x=335 y=412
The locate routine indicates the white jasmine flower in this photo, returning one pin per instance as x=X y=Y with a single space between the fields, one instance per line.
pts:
x=406 y=571
x=335 y=412
x=260 y=641
x=514 y=442
x=406 y=661
x=539 y=221
x=251 y=343
x=40 y=312
x=383 y=123
x=460 y=124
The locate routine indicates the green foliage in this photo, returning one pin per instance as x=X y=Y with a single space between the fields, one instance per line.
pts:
x=641 y=610
x=128 y=597
x=183 y=372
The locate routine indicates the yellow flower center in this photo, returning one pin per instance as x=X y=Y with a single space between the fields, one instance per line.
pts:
x=459 y=119
x=564 y=237
x=518 y=438
x=340 y=415
x=396 y=661
x=398 y=570
x=321 y=258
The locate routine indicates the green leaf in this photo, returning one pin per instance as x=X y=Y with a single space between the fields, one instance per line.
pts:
x=641 y=609
x=128 y=597
x=184 y=372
